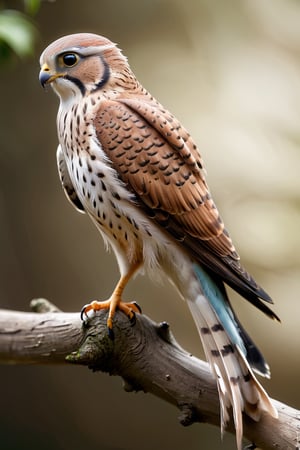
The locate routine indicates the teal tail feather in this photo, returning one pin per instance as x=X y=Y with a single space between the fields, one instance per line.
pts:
x=218 y=298
x=231 y=353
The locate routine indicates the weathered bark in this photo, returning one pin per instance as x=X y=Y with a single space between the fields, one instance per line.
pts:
x=145 y=355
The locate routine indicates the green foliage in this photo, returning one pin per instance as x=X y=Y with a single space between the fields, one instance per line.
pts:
x=32 y=6
x=18 y=31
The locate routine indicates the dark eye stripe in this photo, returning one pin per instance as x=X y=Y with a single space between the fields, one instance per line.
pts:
x=78 y=83
x=105 y=77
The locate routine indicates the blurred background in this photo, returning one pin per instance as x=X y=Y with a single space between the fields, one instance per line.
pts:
x=230 y=71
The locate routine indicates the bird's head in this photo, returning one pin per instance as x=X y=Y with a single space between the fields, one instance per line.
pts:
x=82 y=63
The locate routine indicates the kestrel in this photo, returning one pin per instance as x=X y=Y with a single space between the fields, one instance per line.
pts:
x=129 y=164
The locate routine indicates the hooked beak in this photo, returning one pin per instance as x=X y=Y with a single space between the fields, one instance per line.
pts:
x=46 y=77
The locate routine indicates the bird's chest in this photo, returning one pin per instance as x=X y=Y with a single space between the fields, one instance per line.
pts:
x=104 y=197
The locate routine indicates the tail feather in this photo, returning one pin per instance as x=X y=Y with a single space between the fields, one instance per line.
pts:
x=222 y=358
x=225 y=344
x=215 y=292
x=254 y=394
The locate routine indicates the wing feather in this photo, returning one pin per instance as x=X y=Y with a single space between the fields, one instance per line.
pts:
x=161 y=169
x=157 y=158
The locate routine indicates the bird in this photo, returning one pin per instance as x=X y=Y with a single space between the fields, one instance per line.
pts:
x=129 y=164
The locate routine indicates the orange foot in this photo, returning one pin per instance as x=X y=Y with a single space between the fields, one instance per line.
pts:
x=112 y=304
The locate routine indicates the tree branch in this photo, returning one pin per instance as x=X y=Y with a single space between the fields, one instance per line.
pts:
x=145 y=355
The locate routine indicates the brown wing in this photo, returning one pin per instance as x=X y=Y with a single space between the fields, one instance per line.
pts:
x=160 y=162
x=158 y=159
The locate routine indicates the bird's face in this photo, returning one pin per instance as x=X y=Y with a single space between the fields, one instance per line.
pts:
x=79 y=64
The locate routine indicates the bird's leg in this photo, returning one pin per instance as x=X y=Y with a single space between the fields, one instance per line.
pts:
x=114 y=302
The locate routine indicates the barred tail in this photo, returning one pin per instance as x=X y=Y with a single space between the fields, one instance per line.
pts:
x=228 y=348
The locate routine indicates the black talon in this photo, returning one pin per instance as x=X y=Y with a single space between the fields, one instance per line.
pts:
x=82 y=312
x=132 y=319
x=138 y=306
x=110 y=333
x=84 y=317
x=85 y=324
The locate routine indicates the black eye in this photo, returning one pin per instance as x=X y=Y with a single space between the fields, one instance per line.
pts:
x=70 y=59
